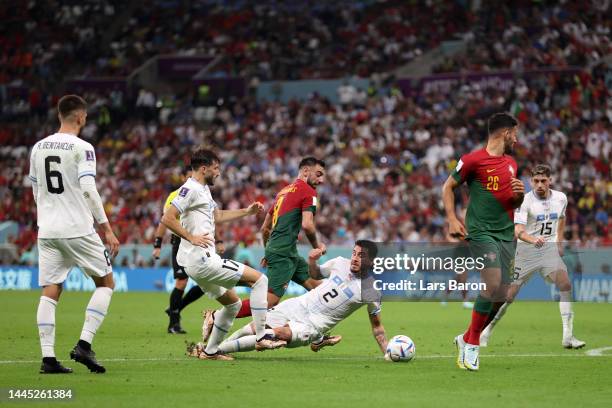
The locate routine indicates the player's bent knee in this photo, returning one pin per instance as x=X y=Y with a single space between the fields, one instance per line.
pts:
x=250 y=276
x=106 y=281
x=228 y=298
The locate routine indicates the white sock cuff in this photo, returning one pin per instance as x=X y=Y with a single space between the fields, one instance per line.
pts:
x=234 y=308
x=262 y=281
x=48 y=299
x=104 y=289
x=565 y=296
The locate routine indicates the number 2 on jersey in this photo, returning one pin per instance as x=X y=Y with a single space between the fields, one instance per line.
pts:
x=332 y=294
x=50 y=174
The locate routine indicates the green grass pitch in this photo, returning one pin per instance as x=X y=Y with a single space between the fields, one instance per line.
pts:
x=525 y=365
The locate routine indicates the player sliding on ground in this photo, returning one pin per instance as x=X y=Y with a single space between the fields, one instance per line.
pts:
x=539 y=224
x=305 y=319
x=63 y=175
x=494 y=194
x=198 y=215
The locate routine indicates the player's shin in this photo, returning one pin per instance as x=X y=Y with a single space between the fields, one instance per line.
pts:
x=480 y=315
x=245 y=343
x=224 y=318
x=97 y=308
x=259 y=305
x=45 y=317
x=246 y=330
x=488 y=330
x=567 y=315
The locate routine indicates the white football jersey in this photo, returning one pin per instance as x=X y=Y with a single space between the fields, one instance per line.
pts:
x=337 y=297
x=196 y=206
x=57 y=162
x=541 y=216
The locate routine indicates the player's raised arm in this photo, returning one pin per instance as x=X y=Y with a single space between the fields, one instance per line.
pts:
x=456 y=228
x=222 y=216
x=170 y=220
x=313 y=268
x=378 y=330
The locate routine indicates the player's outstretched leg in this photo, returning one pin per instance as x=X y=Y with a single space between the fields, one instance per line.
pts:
x=281 y=337
x=97 y=308
x=223 y=319
x=45 y=318
x=496 y=314
x=562 y=282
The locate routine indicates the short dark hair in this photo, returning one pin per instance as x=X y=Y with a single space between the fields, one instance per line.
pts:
x=368 y=246
x=203 y=157
x=501 y=120
x=69 y=104
x=311 y=161
x=541 y=169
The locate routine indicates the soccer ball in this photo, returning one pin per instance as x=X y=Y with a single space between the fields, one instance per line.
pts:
x=400 y=348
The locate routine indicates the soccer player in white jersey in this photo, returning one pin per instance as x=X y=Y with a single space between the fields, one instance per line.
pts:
x=539 y=226
x=306 y=319
x=63 y=171
x=198 y=214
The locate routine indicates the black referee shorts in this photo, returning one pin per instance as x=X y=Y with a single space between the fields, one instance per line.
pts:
x=179 y=271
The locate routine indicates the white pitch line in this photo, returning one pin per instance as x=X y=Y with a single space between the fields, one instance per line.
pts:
x=598 y=352
x=589 y=353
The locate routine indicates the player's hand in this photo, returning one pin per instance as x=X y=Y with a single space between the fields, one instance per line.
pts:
x=156 y=252
x=323 y=248
x=315 y=253
x=456 y=229
x=112 y=242
x=539 y=242
x=263 y=263
x=517 y=186
x=203 y=241
x=255 y=208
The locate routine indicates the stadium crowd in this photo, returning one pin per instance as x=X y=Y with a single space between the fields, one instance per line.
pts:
x=386 y=158
x=524 y=34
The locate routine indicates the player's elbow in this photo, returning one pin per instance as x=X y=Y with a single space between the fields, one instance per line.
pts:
x=166 y=219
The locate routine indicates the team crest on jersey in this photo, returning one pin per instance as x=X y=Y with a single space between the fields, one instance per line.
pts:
x=511 y=170
x=183 y=192
x=89 y=155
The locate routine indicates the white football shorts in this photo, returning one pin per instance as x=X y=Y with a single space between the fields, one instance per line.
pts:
x=215 y=275
x=57 y=256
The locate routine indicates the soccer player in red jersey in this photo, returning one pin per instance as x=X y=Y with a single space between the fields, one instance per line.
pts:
x=495 y=192
x=294 y=209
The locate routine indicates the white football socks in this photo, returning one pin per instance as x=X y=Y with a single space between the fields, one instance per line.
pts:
x=45 y=318
x=567 y=315
x=245 y=343
x=241 y=332
x=224 y=318
x=259 y=305
x=97 y=308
